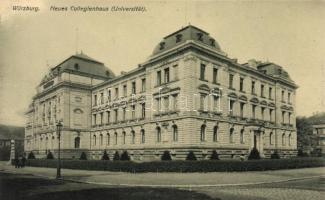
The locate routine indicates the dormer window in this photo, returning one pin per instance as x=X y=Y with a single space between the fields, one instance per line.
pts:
x=59 y=68
x=200 y=36
x=76 y=66
x=213 y=42
x=179 y=38
x=162 y=45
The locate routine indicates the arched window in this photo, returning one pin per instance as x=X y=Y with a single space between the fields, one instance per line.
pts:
x=94 y=140
x=283 y=139
x=242 y=136
x=215 y=134
x=231 y=135
x=101 y=139
x=271 y=140
x=108 y=139
x=158 y=134
x=143 y=136
x=175 y=133
x=289 y=139
x=124 y=137
x=202 y=134
x=115 y=137
x=77 y=143
x=133 y=137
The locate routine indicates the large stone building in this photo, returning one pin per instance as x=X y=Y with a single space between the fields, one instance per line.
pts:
x=189 y=95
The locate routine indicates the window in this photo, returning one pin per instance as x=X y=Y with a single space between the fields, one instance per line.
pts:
x=231 y=80
x=283 y=139
x=116 y=115
x=143 y=136
x=115 y=137
x=242 y=106
x=289 y=97
x=175 y=69
x=231 y=135
x=216 y=103
x=109 y=95
x=166 y=75
x=271 y=138
x=125 y=91
x=289 y=139
x=134 y=89
x=158 y=77
x=262 y=112
x=108 y=139
x=215 y=134
x=178 y=38
x=143 y=110
x=95 y=100
x=101 y=139
x=282 y=95
x=175 y=98
x=271 y=115
x=133 y=137
x=231 y=107
x=124 y=114
x=162 y=45
x=212 y=42
x=158 y=100
x=215 y=75
x=262 y=90
x=143 y=85
x=289 y=118
x=202 y=101
x=76 y=66
x=175 y=133
x=101 y=118
x=124 y=137
x=108 y=113
x=283 y=115
x=94 y=117
x=242 y=136
x=241 y=84
x=133 y=111
x=158 y=134
x=116 y=93
x=101 y=98
x=254 y=111
x=202 y=133
x=202 y=72
x=200 y=36
x=94 y=140
x=270 y=93
x=166 y=103
x=253 y=87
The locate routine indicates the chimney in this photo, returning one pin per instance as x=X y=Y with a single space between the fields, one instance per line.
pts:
x=252 y=63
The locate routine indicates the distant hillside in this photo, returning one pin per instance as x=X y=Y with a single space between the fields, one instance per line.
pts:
x=12 y=132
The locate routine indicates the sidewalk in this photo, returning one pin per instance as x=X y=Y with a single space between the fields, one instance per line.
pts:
x=171 y=179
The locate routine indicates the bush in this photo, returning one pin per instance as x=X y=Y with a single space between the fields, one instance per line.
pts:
x=83 y=156
x=214 y=155
x=254 y=155
x=105 y=156
x=125 y=156
x=49 y=155
x=31 y=155
x=275 y=155
x=191 y=156
x=5 y=153
x=300 y=153
x=166 y=156
x=116 y=156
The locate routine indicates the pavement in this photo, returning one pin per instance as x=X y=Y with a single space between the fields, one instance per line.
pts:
x=178 y=180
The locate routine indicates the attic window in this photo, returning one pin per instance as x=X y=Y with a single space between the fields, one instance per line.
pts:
x=107 y=73
x=213 y=42
x=178 y=38
x=200 y=36
x=59 y=68
x=76 y=66
x=162 y=45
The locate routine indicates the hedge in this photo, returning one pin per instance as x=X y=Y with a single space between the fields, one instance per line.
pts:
x=182 y=166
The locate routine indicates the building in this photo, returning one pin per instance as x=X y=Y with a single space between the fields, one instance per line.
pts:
x=319 y=132
x=188 y=96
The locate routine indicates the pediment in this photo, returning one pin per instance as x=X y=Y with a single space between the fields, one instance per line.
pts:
x=263 y=103
x=232 y=95
x=204 y=87
x=254 y=100
x=243 y=98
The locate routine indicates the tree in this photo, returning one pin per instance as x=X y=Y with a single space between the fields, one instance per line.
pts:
x=49 y=155
x=83 y=156
x=116 y=156
x=166 y=156
x=214 y=155
x=105 y=156
x=31 y=155
x=304 y=132
x=190 y=156
x=125 y=156
x=254 y=154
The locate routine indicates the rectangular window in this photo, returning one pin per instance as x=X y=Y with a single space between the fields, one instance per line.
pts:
x=289 y=97
x=143 y=85
x=134 y=89
x=215 y=75
x=231 y=80
x=124 y=114
x=116 y=115
x=262 y=112
x=271 y=115
x=202 y=103
x=166 y=75
x=202 y=72
x=253 y=87
x=101 y=118
x=158 y=77
x=101 y=98
x=166 y=103
x=158 y=104
x=109 y=96
x=95 y=100
x=125 y=91
x=282 y=95
x=254 y=111
x=143 y=110
x=175 y=97
x=241 y=84
x=108 y=116
x=133 y=111
x=231 y=107
x=216 y=103
x=262 y=90
x=94 y=117
x=242 y=106
x=283 y=115
x=116 y=93
x=270 y=93
x=289 y=118
x=175 y=69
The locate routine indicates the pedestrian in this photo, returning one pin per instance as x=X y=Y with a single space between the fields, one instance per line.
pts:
x=23 y=161
x=16 y=162
x=20 y=162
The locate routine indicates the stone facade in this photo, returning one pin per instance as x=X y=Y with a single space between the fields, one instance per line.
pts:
x=189 y=95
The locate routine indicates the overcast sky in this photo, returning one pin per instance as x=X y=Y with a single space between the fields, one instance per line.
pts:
x=289 y=34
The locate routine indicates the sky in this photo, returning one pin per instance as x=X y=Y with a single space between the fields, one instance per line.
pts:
x=290 y=34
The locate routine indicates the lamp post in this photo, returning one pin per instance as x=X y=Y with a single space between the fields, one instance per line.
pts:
x=58 y=129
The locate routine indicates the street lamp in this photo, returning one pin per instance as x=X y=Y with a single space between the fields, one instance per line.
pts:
x=58 y=129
